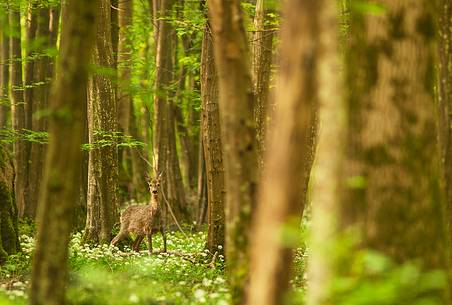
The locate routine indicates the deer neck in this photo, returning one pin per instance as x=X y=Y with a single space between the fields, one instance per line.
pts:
x=154 y=201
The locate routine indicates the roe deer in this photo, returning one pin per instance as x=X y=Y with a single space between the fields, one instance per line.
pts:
x=143 y=220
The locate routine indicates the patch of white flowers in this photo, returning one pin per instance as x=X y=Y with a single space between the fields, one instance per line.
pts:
x=185 y=278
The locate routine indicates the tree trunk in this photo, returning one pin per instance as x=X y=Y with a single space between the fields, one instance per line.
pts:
x=280 y=195
x=18 y=109
x=164 y=77
x=9 y=234
x=31 y=26
x=42 y=73
x=4 y=76
x=392 y=159
x=262 y=48
x=60 y=186
x=212 y=144
x=238 y=130
x=102 y=120
x=445 y=101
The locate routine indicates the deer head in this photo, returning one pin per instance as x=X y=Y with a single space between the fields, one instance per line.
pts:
x=154 y=184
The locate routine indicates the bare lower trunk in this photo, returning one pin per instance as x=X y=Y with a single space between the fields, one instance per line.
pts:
x=4 y=77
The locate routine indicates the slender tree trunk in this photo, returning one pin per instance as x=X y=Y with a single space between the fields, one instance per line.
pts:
x=212 y=143
x=164 y=77
x=262 y=47
x=9 y=234
x=18 y=109
x=102 y=119
x=60 y=187
x=237 y=127
x=42 y=73
x=286 y=157
x=4 y=75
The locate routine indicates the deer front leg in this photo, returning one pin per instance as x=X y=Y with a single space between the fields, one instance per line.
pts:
x=150 y=242
x=121 y=235
x=137 y=243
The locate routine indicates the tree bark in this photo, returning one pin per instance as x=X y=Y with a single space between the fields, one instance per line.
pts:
x=102 y=202
x=280 y=195
x=60 y=186
x=4 y=76
x=212 y=144
x=262 y=47
x=42 y=74
x=239 y=135
x=18 y=109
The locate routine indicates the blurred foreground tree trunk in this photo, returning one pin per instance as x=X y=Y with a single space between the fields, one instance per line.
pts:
x=212 y=144
x=18 y=109
x=285 y=158
x=102 y=202
x=60 y=187
x=239 y=135
x=9 y=233
x=392 y=157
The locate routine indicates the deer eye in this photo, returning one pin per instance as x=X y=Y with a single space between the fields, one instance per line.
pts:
x=158 y=184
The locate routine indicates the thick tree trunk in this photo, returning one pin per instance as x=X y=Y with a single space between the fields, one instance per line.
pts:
x=102 y=120
x=42 y=73
x=286 y=157
x=9 y=234
x=239 y=135
x=18 y=109
x=212 y=144
x=262 y=48
x=60 y=186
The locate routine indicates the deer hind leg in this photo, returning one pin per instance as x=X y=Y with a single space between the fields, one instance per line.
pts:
x=162 y=231
x=121 y=235
x=137 y=243
x=150 y=242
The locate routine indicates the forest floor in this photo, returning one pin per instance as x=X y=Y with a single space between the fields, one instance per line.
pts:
x=106 y=275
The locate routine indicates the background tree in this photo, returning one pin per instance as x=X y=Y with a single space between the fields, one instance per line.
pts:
x=18 y=108
x=239 y=141
x=60 y=187
x=102 y=202
x=211 y=135
x=4 y=71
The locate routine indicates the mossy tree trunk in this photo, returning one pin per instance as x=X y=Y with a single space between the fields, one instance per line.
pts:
x=60 y=187
x=239 y=135
x=9 y=234
x=213 y=154
x=102 y=202
x=285 y=158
